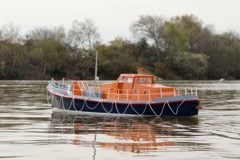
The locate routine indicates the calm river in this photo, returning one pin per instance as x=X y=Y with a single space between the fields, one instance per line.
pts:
x=30 y=130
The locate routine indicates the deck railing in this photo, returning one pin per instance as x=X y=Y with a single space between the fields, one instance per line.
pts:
x=121 y=94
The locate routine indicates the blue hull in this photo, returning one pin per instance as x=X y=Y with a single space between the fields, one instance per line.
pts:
x=182 y=107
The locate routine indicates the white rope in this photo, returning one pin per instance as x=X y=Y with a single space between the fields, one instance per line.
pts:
x=105 y=108
x=143 y=110
x=92 y=107
x=155 y=112
x=64 y=105
x=81 y=108
x=177 y=107
x=58 y=106
x=118 y=110
x=130 y=104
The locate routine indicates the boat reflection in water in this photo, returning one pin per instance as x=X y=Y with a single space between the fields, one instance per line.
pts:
x=129 y=134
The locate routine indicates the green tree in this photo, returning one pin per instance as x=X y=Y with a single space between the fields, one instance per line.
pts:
x=191 y=27
x=189 y=65
x=48 y=58
x=115 y=59
x=224 y=53
x=176 y=40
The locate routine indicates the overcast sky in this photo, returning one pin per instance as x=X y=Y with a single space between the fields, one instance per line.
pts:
x=113 y=17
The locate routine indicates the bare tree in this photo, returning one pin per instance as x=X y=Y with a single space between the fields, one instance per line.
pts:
x=151 y=28
x=11 y=33
x=56 y=33
x=9 y=41
x=84 y=35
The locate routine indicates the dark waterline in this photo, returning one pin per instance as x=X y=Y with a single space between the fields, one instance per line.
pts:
x=29 y=129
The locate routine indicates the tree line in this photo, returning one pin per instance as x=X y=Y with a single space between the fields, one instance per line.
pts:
x=181 y=47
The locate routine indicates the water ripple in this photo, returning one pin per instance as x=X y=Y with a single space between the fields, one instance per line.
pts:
x=29 y=129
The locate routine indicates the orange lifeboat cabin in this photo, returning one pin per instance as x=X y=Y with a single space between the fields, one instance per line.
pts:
x=135 y=87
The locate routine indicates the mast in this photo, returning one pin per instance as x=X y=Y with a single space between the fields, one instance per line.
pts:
x=96 y=65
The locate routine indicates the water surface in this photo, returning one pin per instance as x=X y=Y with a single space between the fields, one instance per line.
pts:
x=29 y=129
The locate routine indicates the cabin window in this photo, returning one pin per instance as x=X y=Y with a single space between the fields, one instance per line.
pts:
x=122 y=79
x=129 y=80
x=147 y=80
x=142 y=80
x=139 y=80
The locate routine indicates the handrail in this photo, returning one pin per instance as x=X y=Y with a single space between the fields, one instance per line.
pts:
x=124 y=94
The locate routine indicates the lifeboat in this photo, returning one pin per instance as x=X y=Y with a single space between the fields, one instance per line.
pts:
x=129 y=95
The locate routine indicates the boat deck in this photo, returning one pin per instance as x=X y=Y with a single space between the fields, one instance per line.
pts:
x=90 y=89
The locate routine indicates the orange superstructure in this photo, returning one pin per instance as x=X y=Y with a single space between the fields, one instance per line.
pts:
x=135 y=87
